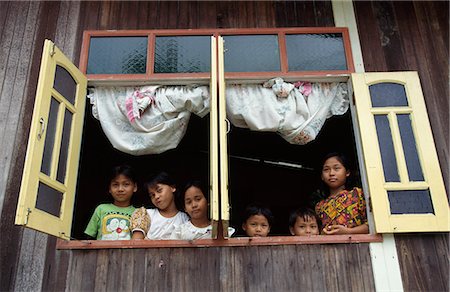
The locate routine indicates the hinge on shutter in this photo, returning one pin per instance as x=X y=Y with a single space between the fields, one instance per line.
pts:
x=52 y=51
x=27 y=215
x=370 y=204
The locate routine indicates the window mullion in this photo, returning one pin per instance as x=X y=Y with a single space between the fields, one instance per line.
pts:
x=214 y=142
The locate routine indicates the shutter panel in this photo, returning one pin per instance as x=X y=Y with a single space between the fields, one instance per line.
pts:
x=48 y=185
x=405 y=181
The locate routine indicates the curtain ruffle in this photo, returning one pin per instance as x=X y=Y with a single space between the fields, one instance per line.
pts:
x=153 y=119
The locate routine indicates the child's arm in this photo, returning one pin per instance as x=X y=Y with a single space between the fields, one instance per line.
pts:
x=94 y=224
x=140 y=223
x=341 y=229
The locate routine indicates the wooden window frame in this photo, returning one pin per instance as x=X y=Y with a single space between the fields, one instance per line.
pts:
x=243 y=77
x=222 y=240
x=150 y=76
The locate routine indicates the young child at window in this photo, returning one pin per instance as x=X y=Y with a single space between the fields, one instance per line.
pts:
x=257 y=221
x=159 y=222
x=304 y=221
x=344 y=210
x=196 y=206
x=112 y=221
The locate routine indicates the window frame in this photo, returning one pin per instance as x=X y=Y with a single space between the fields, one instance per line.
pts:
x=150 y=76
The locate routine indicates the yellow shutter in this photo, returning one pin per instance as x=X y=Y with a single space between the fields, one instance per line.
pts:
x=47 y=190
x=390 y=196
x=214 y=142
x=223 y=143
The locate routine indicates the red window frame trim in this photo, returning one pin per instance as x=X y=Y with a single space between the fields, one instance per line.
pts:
x=235 y=242
x=151 y=34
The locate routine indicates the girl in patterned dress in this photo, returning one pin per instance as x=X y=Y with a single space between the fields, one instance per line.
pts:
x=343 y=211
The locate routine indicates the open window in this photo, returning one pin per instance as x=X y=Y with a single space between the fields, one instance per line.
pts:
x=47 y=191
x=242 y=166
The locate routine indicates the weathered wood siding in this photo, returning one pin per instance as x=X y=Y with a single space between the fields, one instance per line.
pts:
x=276 y=268
x=26 y=256
x=402 y=35
x=29 y=260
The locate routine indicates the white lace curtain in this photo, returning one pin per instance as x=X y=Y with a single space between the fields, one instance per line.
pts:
x=153 y=119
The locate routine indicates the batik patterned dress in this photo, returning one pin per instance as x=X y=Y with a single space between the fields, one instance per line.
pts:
x=347 y=208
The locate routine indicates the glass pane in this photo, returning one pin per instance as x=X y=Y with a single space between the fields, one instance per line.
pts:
x=65 y=84
x=117 y=55
x=315 y=52
x=386 y=148
x=388 y=94
x=251 y=53
x=50 y=137
x=410 y=202
x=61 y=175
x=49 y=200
x=183 y=54
x=409 y=148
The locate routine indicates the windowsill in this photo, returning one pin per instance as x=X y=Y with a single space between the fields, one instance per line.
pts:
x=238 y=241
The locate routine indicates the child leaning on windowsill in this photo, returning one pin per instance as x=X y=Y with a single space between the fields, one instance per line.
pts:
x=304 y=222
x=112 y=221
x=343 y=211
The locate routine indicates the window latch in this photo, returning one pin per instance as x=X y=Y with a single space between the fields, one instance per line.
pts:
x=27 y=215
x=41 y=131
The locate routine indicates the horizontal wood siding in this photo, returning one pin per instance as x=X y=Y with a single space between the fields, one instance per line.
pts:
x=402 y=35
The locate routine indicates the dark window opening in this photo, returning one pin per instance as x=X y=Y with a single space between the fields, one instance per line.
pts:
x=279 y=187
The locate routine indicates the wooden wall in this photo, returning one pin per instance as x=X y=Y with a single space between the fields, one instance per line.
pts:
x=24 y=253
x=29 y=260
x=402 y=35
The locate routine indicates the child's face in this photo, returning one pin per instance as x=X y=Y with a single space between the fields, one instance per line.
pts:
x=256 y=225
x=304 y=227
x=195 y=203
x=121 y=189
x=334 y=174
x=162 y=197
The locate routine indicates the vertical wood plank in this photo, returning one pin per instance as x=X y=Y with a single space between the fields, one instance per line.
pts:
x=423 y=263
x=139 y=271
x=29 y=275
x=164 y=14
x=207 y=15
x=323 y=13
x=373 y=54
x=101 y=272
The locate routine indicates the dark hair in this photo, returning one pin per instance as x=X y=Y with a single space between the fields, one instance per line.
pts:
x=125 y=170
x=159 y=178
x=304 y=213
x=340 y=157
x=193 y=183
x=255 y=209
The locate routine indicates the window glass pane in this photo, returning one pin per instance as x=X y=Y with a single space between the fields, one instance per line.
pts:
x=251 y=53
x=65 y=84
x=315 y=52
x=388 y=94
x=410 y=202
x=50 y=137
x=409 y=148
x=386 y=148
x=49 y=200
x=117 y=55
x=183 y=54
x=61 y=175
